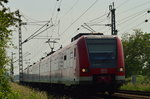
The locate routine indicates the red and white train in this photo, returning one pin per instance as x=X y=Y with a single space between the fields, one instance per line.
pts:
x=92 y=61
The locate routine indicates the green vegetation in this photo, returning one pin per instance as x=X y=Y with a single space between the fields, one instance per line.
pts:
x=4 y=87
x=7 y=20
x=142 y=84
x=137 y=60
x=137 y=53
x=24 y=92
x=137 y=87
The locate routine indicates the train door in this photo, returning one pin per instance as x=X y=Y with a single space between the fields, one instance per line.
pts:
x=71 y=65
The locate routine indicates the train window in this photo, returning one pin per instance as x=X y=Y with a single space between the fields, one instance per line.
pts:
x=71 y=54
x=65 y=57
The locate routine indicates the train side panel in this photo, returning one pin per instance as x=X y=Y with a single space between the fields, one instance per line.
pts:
x=44 y=70
x=25 y=74
x=63 y=67
x=54 y=69
x=30 y=74
x=68 y=71
x=35 y=72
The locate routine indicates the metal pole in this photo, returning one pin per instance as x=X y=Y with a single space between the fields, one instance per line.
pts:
x=20 y=48
x=12 y=67
x=113 y=20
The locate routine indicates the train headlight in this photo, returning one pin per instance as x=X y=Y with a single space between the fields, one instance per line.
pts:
x=84 y=70
x=121 y=69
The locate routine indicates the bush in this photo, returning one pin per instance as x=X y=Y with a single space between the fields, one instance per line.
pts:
x=5 y=89
x=4 y=86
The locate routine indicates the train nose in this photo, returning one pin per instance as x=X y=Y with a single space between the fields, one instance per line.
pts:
x=102 y=78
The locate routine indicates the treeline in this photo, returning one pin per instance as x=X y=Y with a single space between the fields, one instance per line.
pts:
x=7 y=20
x=137 y=53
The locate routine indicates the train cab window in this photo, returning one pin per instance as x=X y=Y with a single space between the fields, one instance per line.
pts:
x=102 y=53
x=65 y=57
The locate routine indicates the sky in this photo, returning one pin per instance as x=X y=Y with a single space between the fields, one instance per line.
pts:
x=69 y=21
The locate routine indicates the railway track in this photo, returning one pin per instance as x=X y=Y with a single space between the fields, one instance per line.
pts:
x=143 y=93
x=128 y=94
x=125 y=94
x=122 y=94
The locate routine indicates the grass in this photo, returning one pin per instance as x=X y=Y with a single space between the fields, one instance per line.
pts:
x=142 y=84
x=23 y=92
x=137 y=87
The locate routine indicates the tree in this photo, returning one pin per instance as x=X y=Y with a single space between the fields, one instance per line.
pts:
x=7 y=20
x=136 y=51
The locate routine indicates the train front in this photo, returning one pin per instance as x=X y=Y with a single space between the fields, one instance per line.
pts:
x=101 y=62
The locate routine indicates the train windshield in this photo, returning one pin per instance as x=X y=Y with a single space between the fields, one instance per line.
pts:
x=102 y=53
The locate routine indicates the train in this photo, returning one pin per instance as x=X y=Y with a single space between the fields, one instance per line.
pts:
x=93 y=61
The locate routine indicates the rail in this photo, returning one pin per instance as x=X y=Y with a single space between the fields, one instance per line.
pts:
x=144 y=93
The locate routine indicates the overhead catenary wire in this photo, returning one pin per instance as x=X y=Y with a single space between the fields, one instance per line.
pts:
x=70 y=9
x=58 y=10
x=86 y=23
x=95 y=22
x=133 y=27
x=38 y=49
x=123 y=3
x=37 y=21
x=132 y=21
x=34 y=34
x=132 y=16
x=33 y=21
x=87 y=28
x=97 y=18
x=130 y=9
x=37 y=34
x=58 y=28
x=35 y=24
x=59 y=20
x=38 y=30
x=25 y=55
x=141 y=23
x=26 y=17
x=77 y=20
x=79 y=17
x=53 y=12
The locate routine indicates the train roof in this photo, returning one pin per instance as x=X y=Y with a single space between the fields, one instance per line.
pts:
x=100 y=36
x=84 y=34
